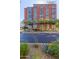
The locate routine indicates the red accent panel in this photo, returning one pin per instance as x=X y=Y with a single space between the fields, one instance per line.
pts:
x=50 y=11
x=25 y=14
x=44 y=12
x=38 y=12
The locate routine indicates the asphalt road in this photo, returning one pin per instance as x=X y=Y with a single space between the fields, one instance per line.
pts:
x=38 y=37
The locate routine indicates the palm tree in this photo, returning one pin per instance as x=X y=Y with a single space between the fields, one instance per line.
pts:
x=57 y=24
x=44 y=24
x=35 y=21
x=41 y=21
x=29 y=22
x=25 y=23
x=46 y=21
x=49 y=22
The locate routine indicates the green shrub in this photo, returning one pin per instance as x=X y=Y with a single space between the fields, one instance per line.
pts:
x=57 y=23
x=24 y=49
x=53 y=49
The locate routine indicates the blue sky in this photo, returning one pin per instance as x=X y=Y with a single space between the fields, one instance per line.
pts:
x=29 y=3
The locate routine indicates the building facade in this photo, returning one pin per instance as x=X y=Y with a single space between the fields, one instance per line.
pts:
x=41 y=11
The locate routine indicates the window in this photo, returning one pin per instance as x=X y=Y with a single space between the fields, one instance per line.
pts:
x=54 y=16
x=41 y=11
x=35 y=15
x=47 y=11
x=54 y=11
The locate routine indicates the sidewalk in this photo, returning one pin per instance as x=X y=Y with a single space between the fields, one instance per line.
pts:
x=38 y=52
x=40 y=32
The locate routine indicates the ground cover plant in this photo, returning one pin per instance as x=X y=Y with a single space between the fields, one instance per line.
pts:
x=24 y=49
x=52 y=49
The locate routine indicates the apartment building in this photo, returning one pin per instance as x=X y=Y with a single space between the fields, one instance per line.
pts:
x=43 y=12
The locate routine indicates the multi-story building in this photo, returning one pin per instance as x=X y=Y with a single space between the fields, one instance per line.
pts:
x=41 y=11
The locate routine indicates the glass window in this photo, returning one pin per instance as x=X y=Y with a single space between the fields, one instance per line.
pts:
x=54 y=11
x=54 y=16
x=41 y=11
x=47 y=11
x=35 y=15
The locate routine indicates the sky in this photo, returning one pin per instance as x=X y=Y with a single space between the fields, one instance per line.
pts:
x=29 y=3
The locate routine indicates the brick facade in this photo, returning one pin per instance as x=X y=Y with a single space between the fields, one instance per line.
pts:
x=41 y=11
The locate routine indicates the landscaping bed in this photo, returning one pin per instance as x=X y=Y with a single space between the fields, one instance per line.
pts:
x=24 y=50
x=52 y=49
